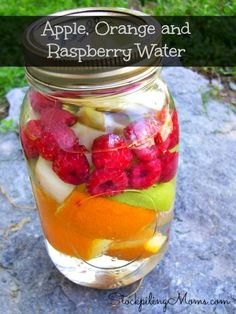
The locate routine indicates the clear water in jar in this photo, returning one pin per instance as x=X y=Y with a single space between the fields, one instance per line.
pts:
x=103 y=171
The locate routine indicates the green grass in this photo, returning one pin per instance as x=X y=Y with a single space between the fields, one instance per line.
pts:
x=41 y=7
x=212 y=93
x=159 y=7
x=8 y=125
x=14 y=77
x=11 y=77
x=193 y=7
x=215 y=72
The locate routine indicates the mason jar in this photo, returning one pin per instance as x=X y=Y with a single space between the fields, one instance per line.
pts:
x=102 y=155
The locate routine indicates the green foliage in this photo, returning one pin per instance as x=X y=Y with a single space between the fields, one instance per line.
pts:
x=212 y=93
x=11 y=77
x=215 y=72
x=14 y=77
x=157 y=7
x=192 y=7
x=41 y=7
x=7 y=125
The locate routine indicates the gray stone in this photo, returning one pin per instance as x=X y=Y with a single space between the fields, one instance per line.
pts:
x=201 y=256
x=232 y=85
x=15 y=98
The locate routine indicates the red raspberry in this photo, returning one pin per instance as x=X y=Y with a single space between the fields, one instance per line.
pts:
x=33 y=129
x=142 y=131
x=53 y=116
x=71 y=168
x=110 y=151
x=149 y=151
x=174 y=136
x=107 y=182
x=47 y=146
x=169 y=164
x=59 y=138
x=65 y=137
x=29 y=145
x=145 y=174
x=40 y=102
x=146 y=153
x=162 y=145
x=77 y=148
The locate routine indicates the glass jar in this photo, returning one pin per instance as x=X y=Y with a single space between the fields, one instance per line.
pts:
x=102 y=159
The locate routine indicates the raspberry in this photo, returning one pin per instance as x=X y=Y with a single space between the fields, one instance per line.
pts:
x=33 y=129
x=174 y=136
x=145 y=174
x=162 y=145
x=146 y=153
x=142 y=131
x=107 y=182
x=147 y=133
x=110 y=151
x=141 y=135
x=169 y=164
x=40 y=102
x=65 y=137
x=47 y=146
x=52 y=116
x=77 y=148
x=59 y=138
x=71 y=168
x=29 y=145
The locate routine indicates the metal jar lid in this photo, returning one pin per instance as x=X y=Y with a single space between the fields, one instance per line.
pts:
x=95 y=75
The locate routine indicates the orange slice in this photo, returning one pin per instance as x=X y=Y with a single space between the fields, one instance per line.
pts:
x=103 y=218
x=130 y=250
x=59 y=236
x=85 y=231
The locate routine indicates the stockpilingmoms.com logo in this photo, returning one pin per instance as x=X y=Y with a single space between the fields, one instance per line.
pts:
x=151 y=300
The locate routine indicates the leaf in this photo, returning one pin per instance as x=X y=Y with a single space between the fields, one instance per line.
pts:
x=8 y=125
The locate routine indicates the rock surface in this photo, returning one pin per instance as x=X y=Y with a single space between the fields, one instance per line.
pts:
x=201 y=255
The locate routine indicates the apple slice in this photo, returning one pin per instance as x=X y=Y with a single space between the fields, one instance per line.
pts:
x=50 y=182
x=130 y=250
x=92 y=118
x=155 y=244
x=159 y=197
x=98 y=247
x=86 y=134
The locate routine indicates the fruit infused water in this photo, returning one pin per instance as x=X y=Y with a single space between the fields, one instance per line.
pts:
x=103 y=170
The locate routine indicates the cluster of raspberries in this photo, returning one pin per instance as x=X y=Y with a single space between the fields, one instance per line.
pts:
x=136 y=160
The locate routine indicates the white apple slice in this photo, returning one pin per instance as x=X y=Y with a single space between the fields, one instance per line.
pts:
x=86 y=134
x=50 y=182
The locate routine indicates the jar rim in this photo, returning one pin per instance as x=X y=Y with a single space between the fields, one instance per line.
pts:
x=72 y=78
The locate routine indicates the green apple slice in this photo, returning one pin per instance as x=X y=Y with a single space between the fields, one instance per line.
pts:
x=163 y=195
x=159 y=197
x=103 y=121
x=92 y=118
x=50 y=182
